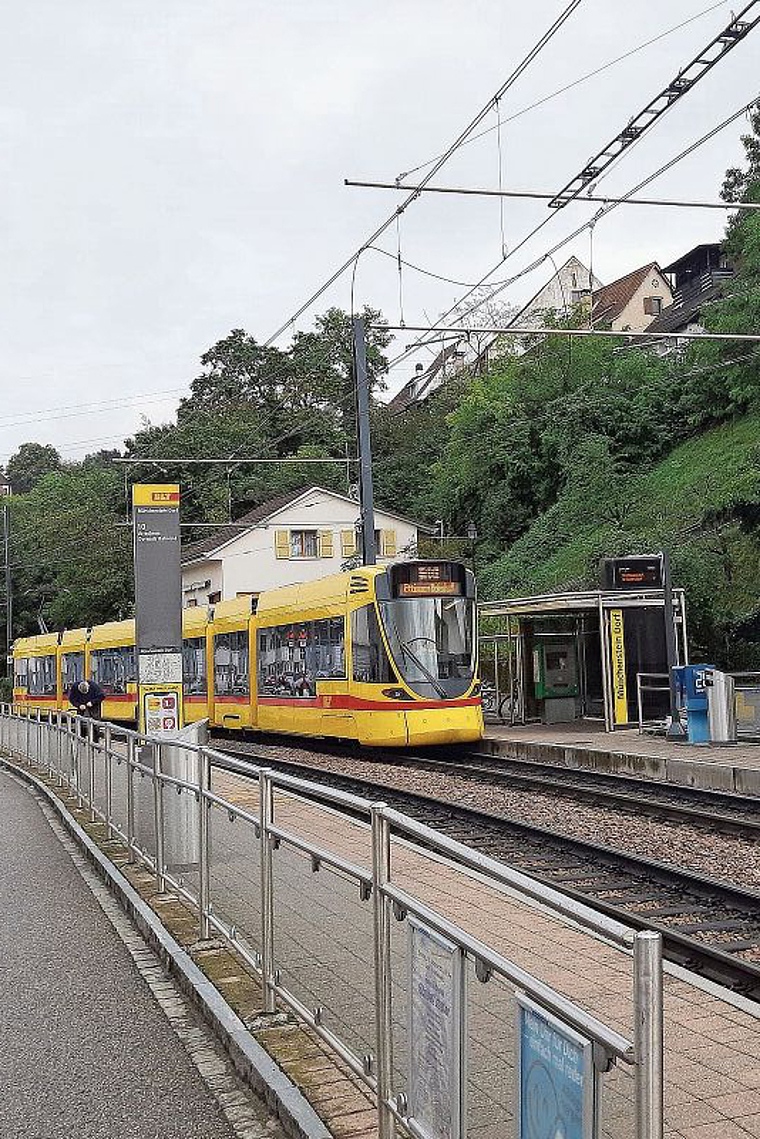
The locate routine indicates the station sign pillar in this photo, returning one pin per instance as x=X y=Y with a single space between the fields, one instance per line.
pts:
x=158 y=606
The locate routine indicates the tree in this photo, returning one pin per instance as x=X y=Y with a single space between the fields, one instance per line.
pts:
x=30 y=464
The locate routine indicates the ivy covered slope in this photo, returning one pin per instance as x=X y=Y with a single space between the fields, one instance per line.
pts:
x=702 y=501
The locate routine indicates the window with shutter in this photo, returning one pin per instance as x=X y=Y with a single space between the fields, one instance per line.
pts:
x=389 y=543
x=348 y=543
x=325 y=543
x=282 y=543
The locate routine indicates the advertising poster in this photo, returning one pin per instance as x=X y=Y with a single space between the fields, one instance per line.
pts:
x=436 y=1034
x=555 y=1077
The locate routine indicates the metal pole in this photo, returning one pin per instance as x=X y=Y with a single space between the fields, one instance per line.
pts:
x=647 y=996
x=109 y=780
x=204 y=853
x=8 y=586
x=266 y=805
x=381 y=872
x=131 y=797
x=158 y=816
x=496 y=674
x=675 y=729
x=366 y=493
x=91 y=767
x=604 y=647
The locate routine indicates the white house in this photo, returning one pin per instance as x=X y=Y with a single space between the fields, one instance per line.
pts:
x=568 y=287
x=297 y=537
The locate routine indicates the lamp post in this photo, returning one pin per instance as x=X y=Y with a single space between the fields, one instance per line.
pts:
x=675 y=729
x=472 y=534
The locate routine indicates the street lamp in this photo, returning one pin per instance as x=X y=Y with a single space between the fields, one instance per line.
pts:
x=472 y=534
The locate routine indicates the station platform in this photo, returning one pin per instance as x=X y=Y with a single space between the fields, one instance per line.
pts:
x=712 y=1036
x=584 y=744
x=85 y=1048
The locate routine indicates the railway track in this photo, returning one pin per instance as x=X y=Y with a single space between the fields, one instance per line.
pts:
x=709 y=926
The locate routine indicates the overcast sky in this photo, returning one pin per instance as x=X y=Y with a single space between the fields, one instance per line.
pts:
x=173 y=170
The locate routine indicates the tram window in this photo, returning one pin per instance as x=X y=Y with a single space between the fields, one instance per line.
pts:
x=72 y=669
x=194 y=666
x=113 y=669
x=370 y=660
x=20 y=671
x=231 y=664
x=292 y=658
x=42 y=676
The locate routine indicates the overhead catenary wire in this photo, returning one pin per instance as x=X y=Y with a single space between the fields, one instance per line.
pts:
x=575 y=83
x=527 y=330
x=438 y=326
x=544 y=196
x=437 y=165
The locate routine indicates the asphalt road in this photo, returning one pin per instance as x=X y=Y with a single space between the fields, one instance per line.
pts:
x=85 y=1051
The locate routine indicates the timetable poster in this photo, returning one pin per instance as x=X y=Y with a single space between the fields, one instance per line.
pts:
x=436 y=1034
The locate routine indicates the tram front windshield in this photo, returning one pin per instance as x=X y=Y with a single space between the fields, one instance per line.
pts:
x=432 y=642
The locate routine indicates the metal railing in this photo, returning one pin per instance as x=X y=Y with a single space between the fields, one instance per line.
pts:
x=646 y=682
x=173 y=821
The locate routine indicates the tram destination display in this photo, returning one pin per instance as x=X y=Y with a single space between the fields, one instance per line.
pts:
x=555 y=1077
x=428 y=579
x=642 y=572
x=436 y=1034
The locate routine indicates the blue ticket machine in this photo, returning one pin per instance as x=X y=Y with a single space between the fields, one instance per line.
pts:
x=692 y=693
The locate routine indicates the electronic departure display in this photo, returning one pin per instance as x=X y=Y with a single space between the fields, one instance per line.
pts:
x=633 y=573
x=428 y=579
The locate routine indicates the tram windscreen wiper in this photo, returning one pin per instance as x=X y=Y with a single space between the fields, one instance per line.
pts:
x=416 y=660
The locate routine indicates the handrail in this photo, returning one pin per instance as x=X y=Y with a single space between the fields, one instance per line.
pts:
x=56 y=744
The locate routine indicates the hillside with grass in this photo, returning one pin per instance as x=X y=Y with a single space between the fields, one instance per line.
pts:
x=701 y=501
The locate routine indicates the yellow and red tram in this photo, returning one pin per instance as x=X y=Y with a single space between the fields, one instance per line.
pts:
x=381 y=655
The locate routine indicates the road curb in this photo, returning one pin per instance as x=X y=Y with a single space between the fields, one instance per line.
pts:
x=253 y=1063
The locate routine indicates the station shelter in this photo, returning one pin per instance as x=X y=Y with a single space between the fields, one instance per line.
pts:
x=564 y=657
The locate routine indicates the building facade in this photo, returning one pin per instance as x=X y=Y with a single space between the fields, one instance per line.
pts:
x=699 y=278
x=567 y=289
x=633 y=301
x=297 y=537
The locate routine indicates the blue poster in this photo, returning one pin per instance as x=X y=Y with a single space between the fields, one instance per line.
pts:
x=554 y=1079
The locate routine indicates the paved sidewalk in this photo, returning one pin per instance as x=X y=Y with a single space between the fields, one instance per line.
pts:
x=85 y=1049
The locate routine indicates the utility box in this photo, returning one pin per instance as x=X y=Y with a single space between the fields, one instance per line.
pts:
x=721 y=706
x=692 y=691
x=555 y=680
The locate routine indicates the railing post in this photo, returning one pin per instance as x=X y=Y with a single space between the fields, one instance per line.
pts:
x=381 y=872
x=648 y=1033
x=266 y=803
x=91 y=767
x=59 y=746
x=131 y=797
x=78 y=742
x=158 y=816
x=38 y=737
x=109 y=779
x=28 y=732
x=204 y=835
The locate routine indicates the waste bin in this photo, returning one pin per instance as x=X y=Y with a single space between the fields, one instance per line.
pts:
x=692 y=691
x=721 y=706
